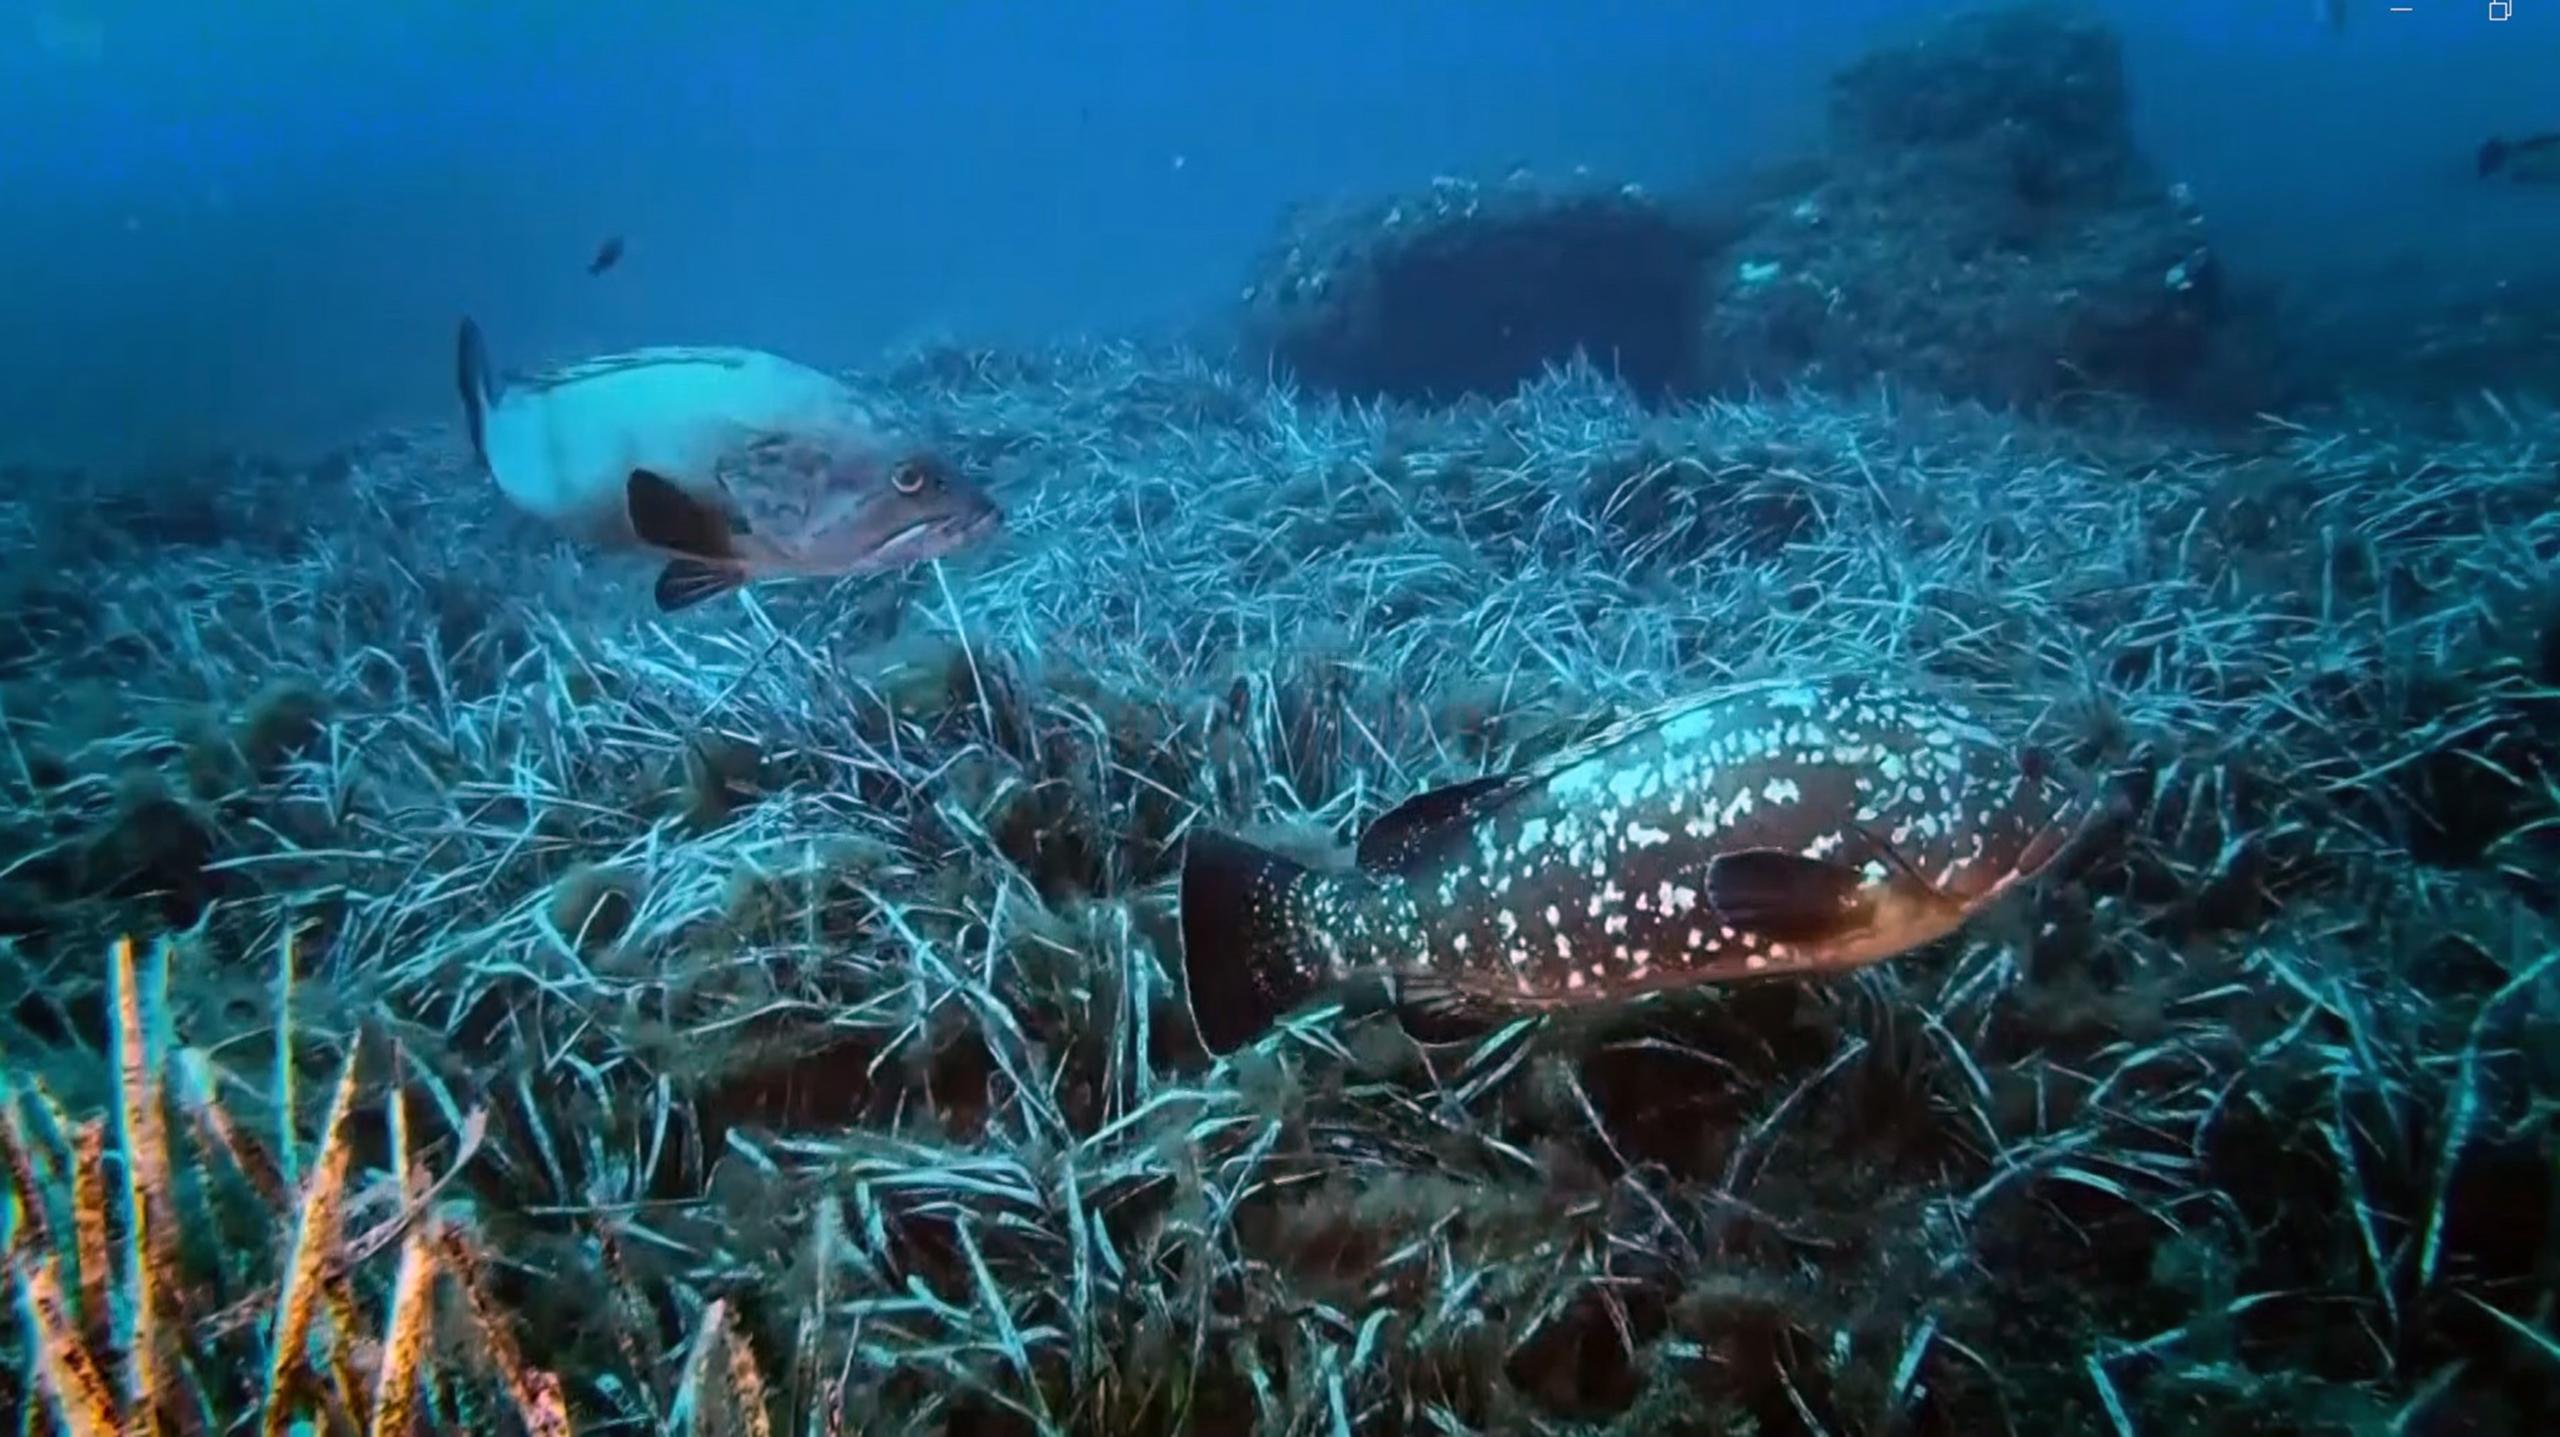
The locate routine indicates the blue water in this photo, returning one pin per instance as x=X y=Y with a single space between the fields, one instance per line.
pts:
x=253 y=224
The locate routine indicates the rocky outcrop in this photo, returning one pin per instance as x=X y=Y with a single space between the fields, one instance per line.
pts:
x=1980 y=224
x=1467 y=288
x=1986 y=228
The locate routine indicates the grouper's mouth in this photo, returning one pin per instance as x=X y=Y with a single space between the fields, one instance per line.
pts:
x=2063 y=845
x=931 y=538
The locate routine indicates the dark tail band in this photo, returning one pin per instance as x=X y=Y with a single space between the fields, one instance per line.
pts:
x=1242 y=961
x=479 y=385
x=2493 y=156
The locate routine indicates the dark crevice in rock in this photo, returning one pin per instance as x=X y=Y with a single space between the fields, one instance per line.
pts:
x=1468 y=290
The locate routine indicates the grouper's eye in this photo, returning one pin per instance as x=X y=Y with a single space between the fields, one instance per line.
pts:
x=911 y=476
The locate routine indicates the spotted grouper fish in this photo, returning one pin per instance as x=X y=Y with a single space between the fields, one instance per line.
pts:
x=1771 y=829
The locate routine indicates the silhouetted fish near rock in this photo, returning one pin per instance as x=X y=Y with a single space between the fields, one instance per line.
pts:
x=1779 y=828
x=2535 y=159
x=608 y=255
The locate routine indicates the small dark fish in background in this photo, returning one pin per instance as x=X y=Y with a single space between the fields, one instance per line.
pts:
x=1772 y=829
x=2333 y=13
x=608 y=255
x=2533 y=160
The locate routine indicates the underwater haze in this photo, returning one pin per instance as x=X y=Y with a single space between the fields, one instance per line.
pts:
x=1161 y=719
x=256 y=223
x=252 y=225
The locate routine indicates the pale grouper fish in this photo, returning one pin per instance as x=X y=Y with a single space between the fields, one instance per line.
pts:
x=735 y=462
x=1772 y=829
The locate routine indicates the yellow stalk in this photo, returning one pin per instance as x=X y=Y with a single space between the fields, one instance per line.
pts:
x=535 y=1393
x=746 y=1386
x=546 y=1413
x=89 y=1226
x=64 y=1366
x=346 y=1336
x=405 y=1332
x=315 y=1241
x=18 y=1152
x=150 y=1266
x=216 y=1132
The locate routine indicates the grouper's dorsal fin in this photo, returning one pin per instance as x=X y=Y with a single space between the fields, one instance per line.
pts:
x=631 y=360
x=1644 y=720
x=1406 y=831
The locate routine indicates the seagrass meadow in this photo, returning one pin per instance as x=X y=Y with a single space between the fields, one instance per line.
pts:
x=542 y=1014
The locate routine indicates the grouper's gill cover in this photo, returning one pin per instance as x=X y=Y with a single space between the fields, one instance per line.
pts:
x=1779 y=828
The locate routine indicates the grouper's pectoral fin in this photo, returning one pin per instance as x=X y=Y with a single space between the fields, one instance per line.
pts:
x=701 y=535
x=1433 y=1013
x=1403 y=832
x=668 y=517
x=1783 y=897
x=684 y=583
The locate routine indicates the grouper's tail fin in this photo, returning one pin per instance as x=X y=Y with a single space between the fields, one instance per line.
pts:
x=1243 y=959
x=479 y=384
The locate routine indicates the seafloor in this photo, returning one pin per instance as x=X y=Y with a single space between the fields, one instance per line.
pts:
x=546 y=1014
x=780 y=1001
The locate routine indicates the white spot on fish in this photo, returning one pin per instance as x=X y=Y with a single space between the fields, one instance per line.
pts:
x=1628 y=785
x=1578 y=781
x=1689 y=727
